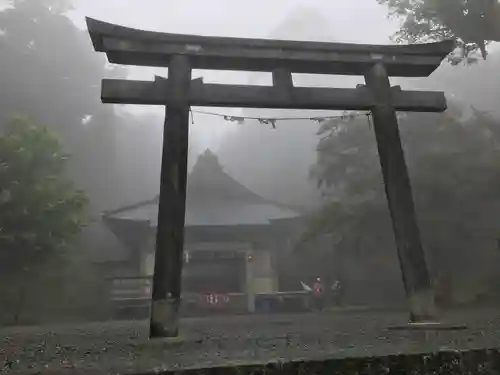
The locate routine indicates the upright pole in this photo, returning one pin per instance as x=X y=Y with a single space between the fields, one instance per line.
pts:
x=166 y=296
x=249 y=281
x=399 y=195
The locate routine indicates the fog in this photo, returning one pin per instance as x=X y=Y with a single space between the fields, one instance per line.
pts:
x=271 y=210
x=240 y=20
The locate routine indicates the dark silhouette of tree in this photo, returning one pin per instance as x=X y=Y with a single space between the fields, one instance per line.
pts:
x=454 y=167
x=474 y=23
x=50 y=73
x=41 y=212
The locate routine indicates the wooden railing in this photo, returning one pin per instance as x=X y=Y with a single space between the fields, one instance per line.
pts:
x=130 y=288
x=134 y=292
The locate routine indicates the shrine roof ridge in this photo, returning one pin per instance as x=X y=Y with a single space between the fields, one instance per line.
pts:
x=129 y=46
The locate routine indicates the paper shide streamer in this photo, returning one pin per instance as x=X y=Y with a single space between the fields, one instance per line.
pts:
x=346 y=116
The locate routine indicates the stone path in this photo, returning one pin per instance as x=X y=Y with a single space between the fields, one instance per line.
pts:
x=123 y=347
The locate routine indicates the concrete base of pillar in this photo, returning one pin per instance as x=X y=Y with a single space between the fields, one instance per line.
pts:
x=422 y=307
x=164 y=318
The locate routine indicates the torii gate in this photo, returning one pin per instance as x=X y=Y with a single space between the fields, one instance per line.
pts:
x=183 y=53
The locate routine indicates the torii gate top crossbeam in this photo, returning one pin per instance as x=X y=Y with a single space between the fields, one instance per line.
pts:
x=128 y=46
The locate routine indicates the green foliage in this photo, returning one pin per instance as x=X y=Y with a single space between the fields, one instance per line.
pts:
x=51 y=73
x=454 y=168
x=51 y=59
x=474 y=23
x=40 y=210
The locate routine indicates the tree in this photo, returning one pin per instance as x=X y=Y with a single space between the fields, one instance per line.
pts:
x=41 y=212
x=454 y=168
x=474 y=23
x=51 y=73
x=48 y=63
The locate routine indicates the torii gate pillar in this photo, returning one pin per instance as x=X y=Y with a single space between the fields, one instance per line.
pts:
x=166 y=294
x=398 y=190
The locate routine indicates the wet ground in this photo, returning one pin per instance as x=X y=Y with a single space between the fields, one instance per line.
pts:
x=123 y=347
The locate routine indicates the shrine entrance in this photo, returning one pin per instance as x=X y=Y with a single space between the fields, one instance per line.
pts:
x=183 y=53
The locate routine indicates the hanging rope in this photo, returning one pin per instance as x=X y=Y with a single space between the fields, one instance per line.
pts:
x=272 y=120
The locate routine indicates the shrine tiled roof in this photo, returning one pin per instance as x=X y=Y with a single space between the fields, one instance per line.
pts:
x=212 y=214
x=213 y=199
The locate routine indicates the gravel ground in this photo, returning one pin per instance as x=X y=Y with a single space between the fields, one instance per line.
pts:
x=123 y=347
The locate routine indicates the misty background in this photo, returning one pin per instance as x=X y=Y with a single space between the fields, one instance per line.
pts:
x=50 y=72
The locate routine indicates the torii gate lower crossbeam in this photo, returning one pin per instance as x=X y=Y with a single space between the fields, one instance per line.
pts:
x=183 y=53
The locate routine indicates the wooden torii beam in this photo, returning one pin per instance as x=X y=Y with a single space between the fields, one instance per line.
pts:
x=183 y=53
x=128 y=46
x=158 y=92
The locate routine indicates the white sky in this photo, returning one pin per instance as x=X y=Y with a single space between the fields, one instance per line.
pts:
x=358 y=21
x=352 y=20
